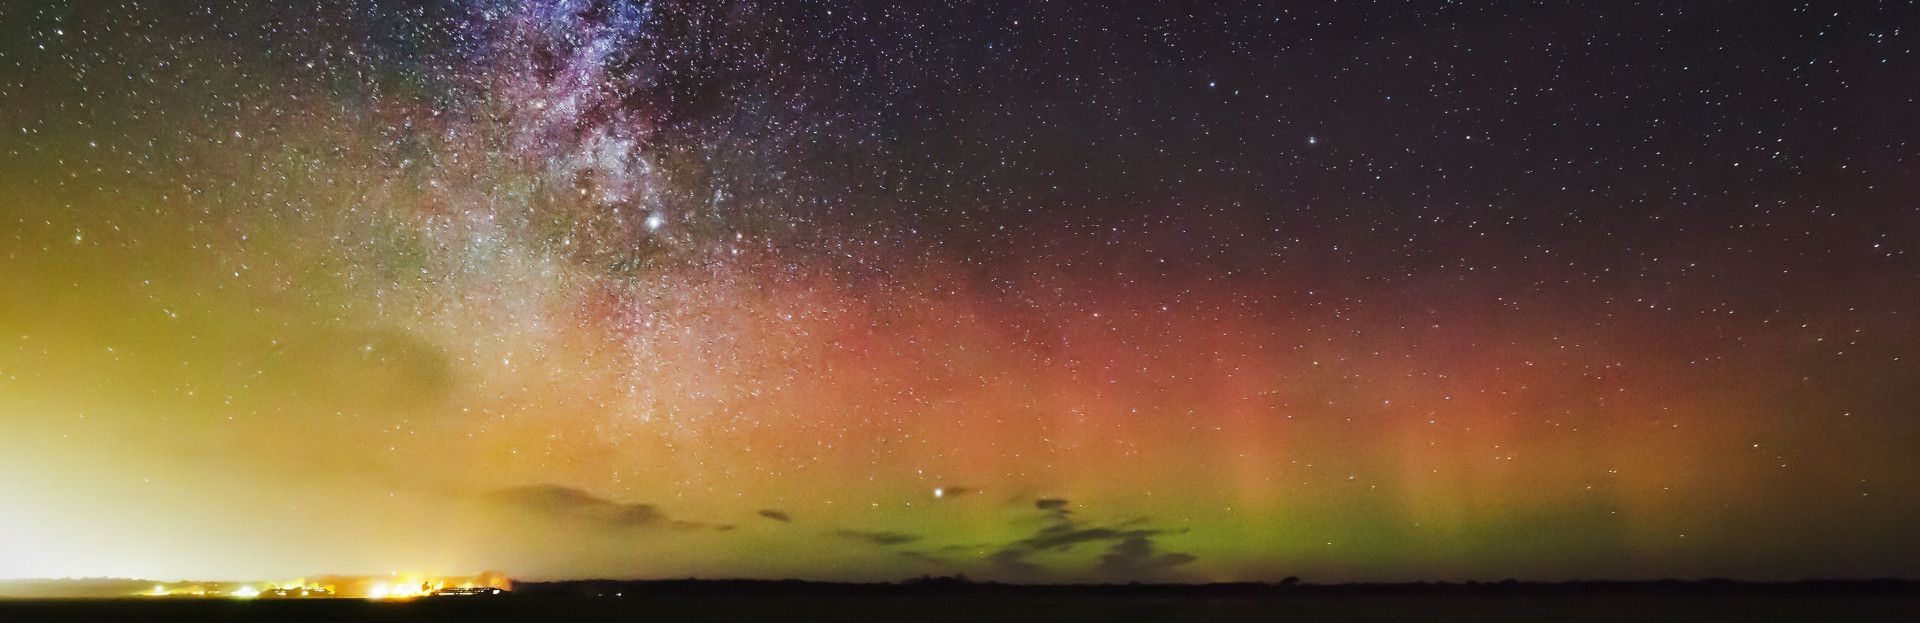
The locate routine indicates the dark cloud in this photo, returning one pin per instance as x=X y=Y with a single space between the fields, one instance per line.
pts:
x=877 y=537
x=1134 y=558
x=1012 y=562
x=962 y=547
x=574 y=505
x=1066 y=535
x=1131 y=553
x=775 y=515
x=695 y=526
x=926 y=558
x=1054 y=506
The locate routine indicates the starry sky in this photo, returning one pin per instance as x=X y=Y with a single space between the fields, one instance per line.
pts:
x=1037 y=292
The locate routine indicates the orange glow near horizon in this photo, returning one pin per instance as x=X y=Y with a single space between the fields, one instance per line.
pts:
x=395 y=586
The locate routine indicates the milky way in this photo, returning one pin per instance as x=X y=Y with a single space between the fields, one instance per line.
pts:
x=594 y=288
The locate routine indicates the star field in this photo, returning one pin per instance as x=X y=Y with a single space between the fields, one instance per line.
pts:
x=1025 y=291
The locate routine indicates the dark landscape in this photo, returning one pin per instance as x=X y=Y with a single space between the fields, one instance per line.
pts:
x=942 y=600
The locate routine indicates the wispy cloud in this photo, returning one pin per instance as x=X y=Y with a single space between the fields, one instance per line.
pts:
x=1131 y=551
x=562 y=503
x=877 y=537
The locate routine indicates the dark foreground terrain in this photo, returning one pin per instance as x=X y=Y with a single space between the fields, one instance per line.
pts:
x=774 y=601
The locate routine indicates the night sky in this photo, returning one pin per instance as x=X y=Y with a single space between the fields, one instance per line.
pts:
x=1062 y=291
